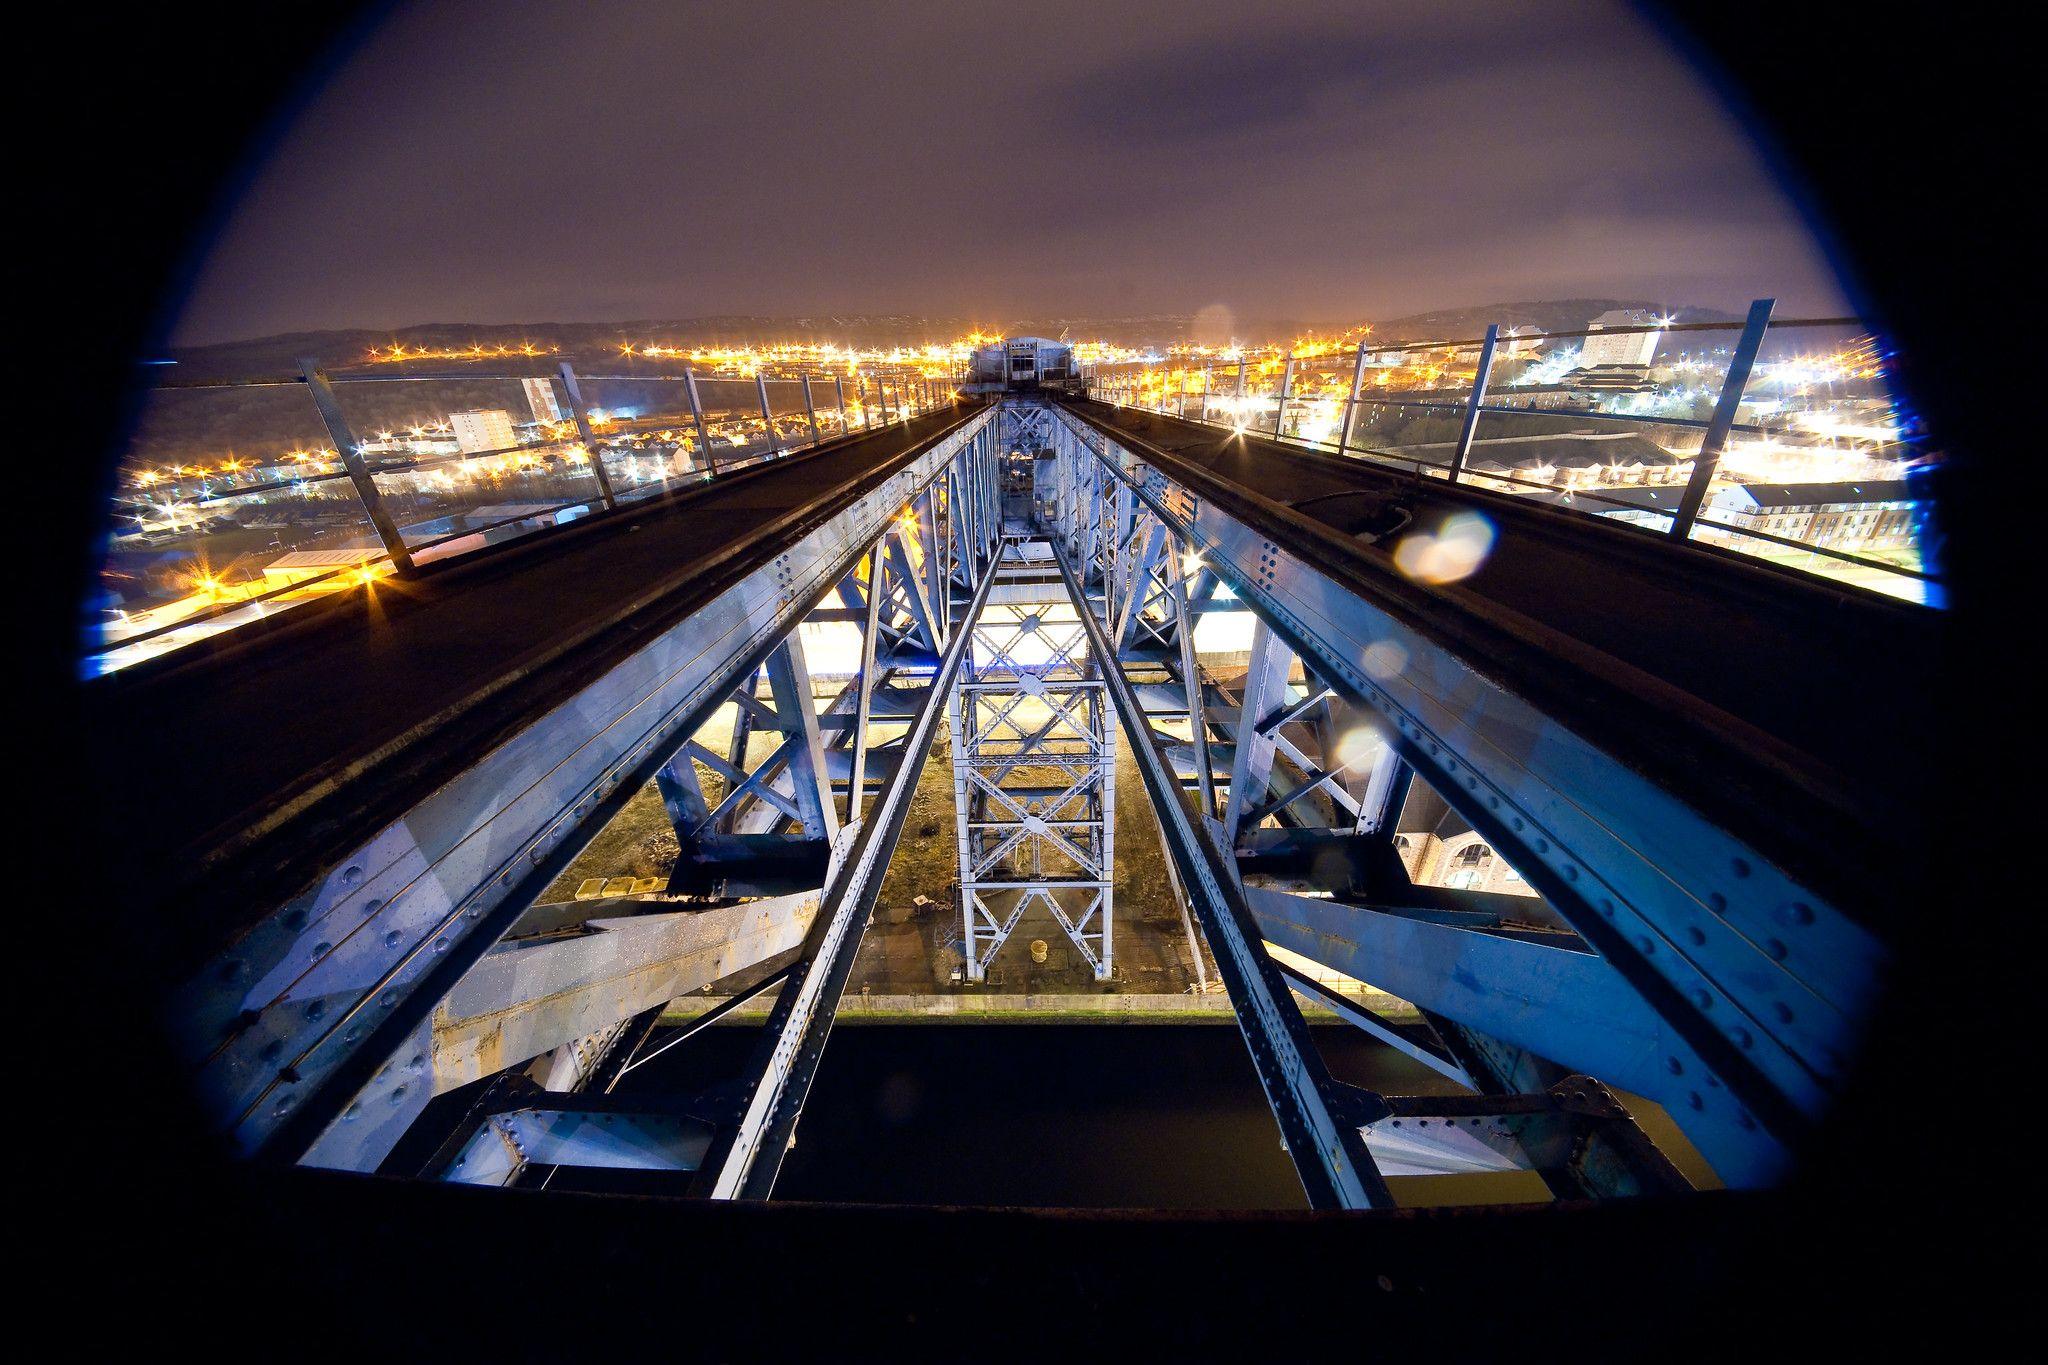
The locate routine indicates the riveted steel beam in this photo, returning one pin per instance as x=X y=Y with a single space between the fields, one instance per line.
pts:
x=1760 y=981
x=314 y=1012
x=748 y=1154
x=1329 y=1154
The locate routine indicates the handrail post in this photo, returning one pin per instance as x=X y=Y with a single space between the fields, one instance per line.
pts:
x=573 y=393
x=352 y=460
x=1470 y=428
x=1286 y=383
x=1351 y=404
x=697 y=416
x=767 y=417
x=811 y=410
x=839 y=387
x=1715 y=441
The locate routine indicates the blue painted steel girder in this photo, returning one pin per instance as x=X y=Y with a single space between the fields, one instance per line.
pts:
x=1761 y=981
x=305 y=1005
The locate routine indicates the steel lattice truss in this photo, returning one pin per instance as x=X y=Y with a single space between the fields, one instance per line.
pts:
x=424 y=961
x=1610 y=969
x=1034 y=771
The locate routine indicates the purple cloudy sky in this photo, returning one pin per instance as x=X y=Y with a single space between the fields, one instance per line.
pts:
x=517 y=161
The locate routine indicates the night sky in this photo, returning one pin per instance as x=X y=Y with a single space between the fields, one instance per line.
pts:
x=517 y=161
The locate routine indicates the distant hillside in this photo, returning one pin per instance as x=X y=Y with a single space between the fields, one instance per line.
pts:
x=588 y=341
x=580 y=340
x=205 y=424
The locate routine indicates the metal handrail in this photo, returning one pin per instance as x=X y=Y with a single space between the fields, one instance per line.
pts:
x=1396 y=457
x=1519 y=337
x=920 y=398
x=460 y=376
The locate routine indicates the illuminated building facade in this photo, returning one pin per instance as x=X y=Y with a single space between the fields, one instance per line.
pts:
x=540 y=396
x=1876 y=514
x=483 y=429
x=1635 y=349
x=1439 y=847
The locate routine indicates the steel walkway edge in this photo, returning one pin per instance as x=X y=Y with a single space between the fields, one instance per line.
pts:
x=252 y=768
x=1761 y=698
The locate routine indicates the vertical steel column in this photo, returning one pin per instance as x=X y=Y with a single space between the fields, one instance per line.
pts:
x=789 y=683
x=927 y=506
x=962 y=711
x=1265 y=693
x=1319 y=1122
x=839 y=386
x=908 y=579
x=1240 y=381
x=573 y=393
x=1722 y=422
x=743 y=1161
x=1134 y=590
x=1191 y=674
x=1478 y=395
x=811 y=410
x=1351 y=406
x=352 y=460
x=959 y=527
x=697 y=418
x=767 y=417
x=1286 y=384
x=1102 y=731
x=1034 y=772
x=856 y=789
